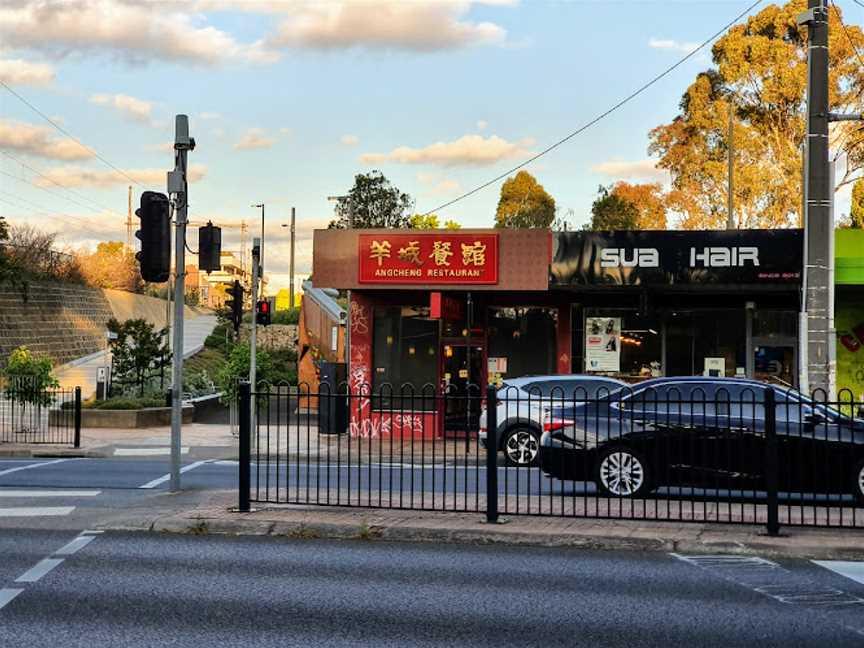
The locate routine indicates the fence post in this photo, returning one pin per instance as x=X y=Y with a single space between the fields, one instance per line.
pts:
x=771 y=462
x=244 y=404
x=492 y=454
x=77 y=442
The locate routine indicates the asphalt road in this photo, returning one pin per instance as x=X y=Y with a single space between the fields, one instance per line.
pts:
x=150 y=590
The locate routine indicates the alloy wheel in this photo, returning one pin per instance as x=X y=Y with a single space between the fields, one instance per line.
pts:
x=622 y=473
x=521 y=447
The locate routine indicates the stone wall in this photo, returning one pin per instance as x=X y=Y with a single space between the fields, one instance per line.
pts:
x=60 y=320
x=273 y=337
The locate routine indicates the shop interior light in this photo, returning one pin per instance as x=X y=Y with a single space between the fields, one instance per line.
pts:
x=431 y=351
x=389 y=340
x=411 y=350
x=448 y=351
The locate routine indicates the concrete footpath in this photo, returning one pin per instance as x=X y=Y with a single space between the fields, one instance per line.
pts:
x=207 y=512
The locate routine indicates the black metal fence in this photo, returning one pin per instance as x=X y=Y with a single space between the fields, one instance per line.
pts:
x=736 y=453
x=32 y=415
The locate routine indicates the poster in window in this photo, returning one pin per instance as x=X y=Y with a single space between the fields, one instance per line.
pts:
x=603 y=343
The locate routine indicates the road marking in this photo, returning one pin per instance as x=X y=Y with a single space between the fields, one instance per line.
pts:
x=77 y=544
x=49 y=493
x=91 y=532
x=145 y=452
x=851 y=570
x=164 y=478
x=29 y=466
x=39 y=570
x=6 y=596
x=36 y=511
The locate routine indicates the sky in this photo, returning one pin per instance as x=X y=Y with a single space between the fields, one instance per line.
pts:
x=288 y=100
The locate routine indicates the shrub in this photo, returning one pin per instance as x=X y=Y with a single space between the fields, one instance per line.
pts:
x=29 y=378
x=236 y=368
x=140 y=353
x=122 y=403
x=286 y=316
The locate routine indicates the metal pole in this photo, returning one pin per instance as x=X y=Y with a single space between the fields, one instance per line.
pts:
x=348 y=313
x=772 y=506
x=77 y=440
x=730 y=191
x=177 y=185
x=491 y=454
x=256 y=255
x=244 y=399
x=291 y=267
x=818 y=226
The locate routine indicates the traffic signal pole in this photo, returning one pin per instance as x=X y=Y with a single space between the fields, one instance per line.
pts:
x=256 y=265
x=178 y=186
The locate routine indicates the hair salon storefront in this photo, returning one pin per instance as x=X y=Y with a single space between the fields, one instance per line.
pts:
x=437 y=308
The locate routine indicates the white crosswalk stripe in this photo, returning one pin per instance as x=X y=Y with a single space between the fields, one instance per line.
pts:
x=41 y=493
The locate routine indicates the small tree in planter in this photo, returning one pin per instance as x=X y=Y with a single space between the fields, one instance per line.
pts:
x=29 y=381
x=140 y=353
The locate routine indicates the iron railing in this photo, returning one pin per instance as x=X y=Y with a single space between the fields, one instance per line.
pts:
x=742 y=453
x=33 y=415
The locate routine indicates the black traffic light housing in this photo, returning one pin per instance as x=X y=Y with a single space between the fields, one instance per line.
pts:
x=155 y=236
x=236 y=305
x=209 y=247
x=262 y=312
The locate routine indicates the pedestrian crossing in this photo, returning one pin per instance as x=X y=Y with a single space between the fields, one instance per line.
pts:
x=12 y=502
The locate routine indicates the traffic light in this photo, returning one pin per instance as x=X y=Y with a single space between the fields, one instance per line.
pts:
x=262 y=312
x=209 y=248
x=236 y=305
x=155 y=236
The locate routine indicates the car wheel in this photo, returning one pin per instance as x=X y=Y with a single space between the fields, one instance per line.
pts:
x=622 y=472
x=858 y=484
x=521 y=447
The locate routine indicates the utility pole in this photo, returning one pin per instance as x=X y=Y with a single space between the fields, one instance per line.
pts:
x=730 y=190
x=177 y=185
x=256 y=256
x=291 y=267
x=350 y=200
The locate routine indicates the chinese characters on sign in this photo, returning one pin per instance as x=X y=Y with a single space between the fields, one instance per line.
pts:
x=428 y=258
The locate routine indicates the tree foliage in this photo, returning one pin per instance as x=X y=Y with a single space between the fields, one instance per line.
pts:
x=649 y=201
x=29 y=377
x=430 y=221
x=612 y=211
x=375 y=203
x=140 y=353
x=856 y=213
x=112 y=265
x=761 y=68
x=524 y=203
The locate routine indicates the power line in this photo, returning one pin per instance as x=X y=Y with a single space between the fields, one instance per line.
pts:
x=53 y=181
x=69 y=135
x=602 y=115
x=46 y=189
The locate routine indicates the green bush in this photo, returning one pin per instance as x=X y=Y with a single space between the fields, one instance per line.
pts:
x=121 y=403
x=218 y=338
x=286 y=316
x=237 y=368
x=29 y=377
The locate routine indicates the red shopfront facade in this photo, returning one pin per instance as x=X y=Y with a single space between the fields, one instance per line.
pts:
x=438 y=310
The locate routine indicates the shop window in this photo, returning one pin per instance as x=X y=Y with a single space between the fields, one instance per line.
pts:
x=624 y=344
x=522 y=340
x=404 y=355
x=775 y=323
x=711 y=342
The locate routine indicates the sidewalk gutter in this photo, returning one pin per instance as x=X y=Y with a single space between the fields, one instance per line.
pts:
x=54 y=453
x=213 y=515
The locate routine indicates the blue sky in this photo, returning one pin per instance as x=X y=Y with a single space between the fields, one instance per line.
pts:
x=288 y=100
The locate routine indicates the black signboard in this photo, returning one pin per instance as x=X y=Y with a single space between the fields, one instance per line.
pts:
x=643 y=258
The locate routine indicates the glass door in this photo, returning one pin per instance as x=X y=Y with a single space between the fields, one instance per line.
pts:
x=462 y=373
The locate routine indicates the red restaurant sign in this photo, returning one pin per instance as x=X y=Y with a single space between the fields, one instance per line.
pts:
x=428 y=258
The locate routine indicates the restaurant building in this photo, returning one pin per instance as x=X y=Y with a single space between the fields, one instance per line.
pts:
x=441 y=308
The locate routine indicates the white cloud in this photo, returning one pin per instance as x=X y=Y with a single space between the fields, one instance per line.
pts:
x=39 y=141
x=349 y=140
x=21 y=72
x=419 y=25
x=209 y=115
x=254 y=138
x=439 y=185
x=287 y=132
x=137 y=109
x=482 y=124
x=138 y=31
x=79 y=177
x=669 y=44
x=637 y=170
x=468 y=149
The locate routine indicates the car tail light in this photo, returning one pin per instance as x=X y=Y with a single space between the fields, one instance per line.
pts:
x=556 y=424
